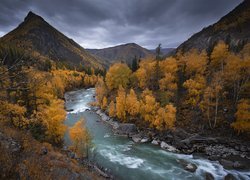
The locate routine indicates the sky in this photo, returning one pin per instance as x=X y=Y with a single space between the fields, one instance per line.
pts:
x=105 y=23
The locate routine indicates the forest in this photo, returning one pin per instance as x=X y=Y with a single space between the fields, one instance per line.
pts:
x=32 y=92
x=205 y=91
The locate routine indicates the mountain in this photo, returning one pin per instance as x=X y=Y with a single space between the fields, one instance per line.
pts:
x=124 y=52
x=233 y=29
x=34 y=34
x=164 y=51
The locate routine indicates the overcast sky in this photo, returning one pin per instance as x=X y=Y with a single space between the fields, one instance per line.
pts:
x=103 y=23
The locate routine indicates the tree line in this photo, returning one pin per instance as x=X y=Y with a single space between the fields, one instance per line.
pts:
x=212 y=89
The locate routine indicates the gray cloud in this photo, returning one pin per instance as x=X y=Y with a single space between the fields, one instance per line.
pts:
x=102 y=23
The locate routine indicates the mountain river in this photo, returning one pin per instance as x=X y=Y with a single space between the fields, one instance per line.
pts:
x=128 y=160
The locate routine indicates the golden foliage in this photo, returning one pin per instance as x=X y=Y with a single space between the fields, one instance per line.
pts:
x=195 y=88
x=121 y=104
x=132 y=103
x=13 y=112
x=104 y=103
x=165 y=117
x=53 y=117
x=101 y=90
x=195 y=62
x=242 y=123
x=219 y=56
x=118 y=74
x=80 y=137
x=112 y=111
x=149 y=107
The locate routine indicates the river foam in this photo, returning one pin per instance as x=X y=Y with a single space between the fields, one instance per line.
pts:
x=122 y=159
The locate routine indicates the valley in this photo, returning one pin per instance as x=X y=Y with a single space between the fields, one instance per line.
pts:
x=131 y=97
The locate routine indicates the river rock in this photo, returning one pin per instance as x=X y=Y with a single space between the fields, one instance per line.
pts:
x=98 y=112
x=226 y=164
x=136 y=139
x=209 y=176
x=145 y=140
x=126 y=129
x=70 y=110
x=191 y=167
x=168 y=147
x=187 y=166
x=155 y=142
x=104 y=117
x=229 y=177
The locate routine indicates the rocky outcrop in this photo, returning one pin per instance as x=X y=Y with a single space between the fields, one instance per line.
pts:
x=168 y=147
x=126 y=129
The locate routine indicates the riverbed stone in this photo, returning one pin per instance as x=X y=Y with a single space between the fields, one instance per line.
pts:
x=229 y=177
x=209 y=176
x=136 y=139
x=187 y=165
x=104 y=117
x=191 y=167
x=145 y=140
x=226 y=164
x=155 y=142
x=168 y=147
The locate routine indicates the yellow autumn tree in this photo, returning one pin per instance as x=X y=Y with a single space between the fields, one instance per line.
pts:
x=112 y=111
x=212 y=100
x=219 y=56
x=121 y=104
x=53 y=117
x=195 y=63
x=118 y=74
x=148 y=108
x=145 y=73
x=236 y=75
x=104 y=103
x=242 y=123
x=80 y=137
x=101 y=91
x=168 y=82
x=132 y=103
x=195 y=88
x=165 y=117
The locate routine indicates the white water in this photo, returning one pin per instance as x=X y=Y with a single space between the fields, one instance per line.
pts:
x=128 y=160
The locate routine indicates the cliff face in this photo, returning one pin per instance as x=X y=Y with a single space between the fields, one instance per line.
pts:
x=233 y=29
x=34 y=34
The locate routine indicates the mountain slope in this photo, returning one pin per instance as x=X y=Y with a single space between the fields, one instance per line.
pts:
x=233 y=29
x=34 y=34
x=124 y=52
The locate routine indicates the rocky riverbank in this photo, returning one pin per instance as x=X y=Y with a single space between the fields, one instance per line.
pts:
x=230 y=153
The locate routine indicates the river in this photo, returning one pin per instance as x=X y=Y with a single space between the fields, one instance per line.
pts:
x=128 y=160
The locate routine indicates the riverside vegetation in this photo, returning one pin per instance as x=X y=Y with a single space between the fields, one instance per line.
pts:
x=31 y=101
x=196 y=100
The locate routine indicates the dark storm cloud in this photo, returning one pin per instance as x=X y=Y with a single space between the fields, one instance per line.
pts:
x=101 y=23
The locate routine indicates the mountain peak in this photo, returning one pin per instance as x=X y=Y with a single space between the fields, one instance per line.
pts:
x=32 y=15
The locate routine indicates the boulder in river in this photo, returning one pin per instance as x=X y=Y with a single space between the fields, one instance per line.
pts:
x=229 y=177
x=187 y=165
x=209 y=176
x=190 y=167
x=168 y=147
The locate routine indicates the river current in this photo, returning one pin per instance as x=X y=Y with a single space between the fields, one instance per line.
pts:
x=128 y=160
